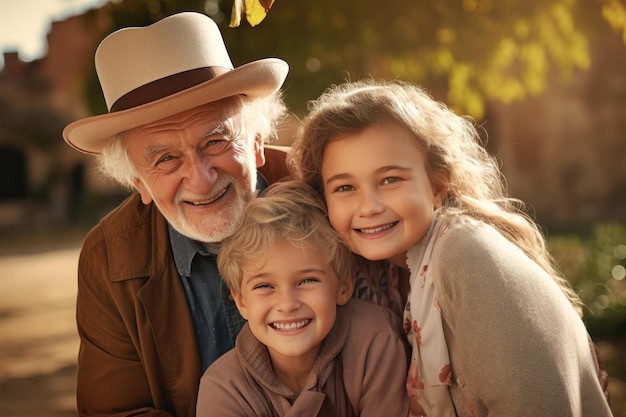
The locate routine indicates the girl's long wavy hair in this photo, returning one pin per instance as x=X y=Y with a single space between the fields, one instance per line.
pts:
x=454 y=153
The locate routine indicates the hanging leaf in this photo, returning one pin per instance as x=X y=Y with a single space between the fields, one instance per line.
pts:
x=254 y=10
x=235 y=14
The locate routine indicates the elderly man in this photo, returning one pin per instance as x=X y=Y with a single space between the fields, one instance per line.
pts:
x=186 y=130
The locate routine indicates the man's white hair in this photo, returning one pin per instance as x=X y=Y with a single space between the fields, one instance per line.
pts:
x=259 y=116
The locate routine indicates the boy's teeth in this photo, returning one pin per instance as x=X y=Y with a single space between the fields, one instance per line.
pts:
x=290 y=326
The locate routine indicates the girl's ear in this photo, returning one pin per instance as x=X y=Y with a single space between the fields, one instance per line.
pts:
x=239 y=302
x=439 y=182
x=345 y=291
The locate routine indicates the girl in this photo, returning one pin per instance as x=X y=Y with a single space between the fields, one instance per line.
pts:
x=494 y=329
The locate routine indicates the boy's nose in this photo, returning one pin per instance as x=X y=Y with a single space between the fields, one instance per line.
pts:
x=287 y=300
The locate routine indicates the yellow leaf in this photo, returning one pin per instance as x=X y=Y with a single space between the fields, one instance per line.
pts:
x=235 y=14
x=255 y=11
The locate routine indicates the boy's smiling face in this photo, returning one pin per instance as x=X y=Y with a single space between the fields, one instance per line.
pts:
x=290 y=302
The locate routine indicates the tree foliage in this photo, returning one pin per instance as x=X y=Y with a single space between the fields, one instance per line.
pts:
x=472 y=51
x=595 y=265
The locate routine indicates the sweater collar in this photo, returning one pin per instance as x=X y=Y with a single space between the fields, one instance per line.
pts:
x=255 y=356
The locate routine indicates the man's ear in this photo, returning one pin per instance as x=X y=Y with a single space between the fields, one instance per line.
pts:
x=239 y=302
x=345 y=291
x=259 y=153
x=146 y=198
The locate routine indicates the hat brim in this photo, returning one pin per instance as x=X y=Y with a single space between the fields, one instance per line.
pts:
x=255 y=79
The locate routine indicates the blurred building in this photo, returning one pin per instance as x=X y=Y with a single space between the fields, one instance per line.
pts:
x=44 y=181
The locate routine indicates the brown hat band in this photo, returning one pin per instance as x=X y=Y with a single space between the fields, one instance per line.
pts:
x=166 y=86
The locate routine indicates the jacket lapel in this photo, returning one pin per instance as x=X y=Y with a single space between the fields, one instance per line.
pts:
x=169 y=321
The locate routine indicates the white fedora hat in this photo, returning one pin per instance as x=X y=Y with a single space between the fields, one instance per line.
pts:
x=176 y=64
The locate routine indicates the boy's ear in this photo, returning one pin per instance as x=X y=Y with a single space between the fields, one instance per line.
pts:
x=345 y=291
x=239 y=302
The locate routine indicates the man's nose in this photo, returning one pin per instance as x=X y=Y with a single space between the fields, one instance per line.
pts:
x=200 y=174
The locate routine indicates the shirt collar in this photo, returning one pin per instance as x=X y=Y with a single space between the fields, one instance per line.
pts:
x=184 y=250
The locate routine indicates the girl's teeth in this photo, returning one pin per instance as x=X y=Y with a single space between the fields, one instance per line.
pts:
x=378 y=229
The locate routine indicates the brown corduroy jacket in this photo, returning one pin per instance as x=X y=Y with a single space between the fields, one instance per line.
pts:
x=138 y=352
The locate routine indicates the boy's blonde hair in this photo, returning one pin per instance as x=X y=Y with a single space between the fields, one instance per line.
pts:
x=455 y=158
x=288 y=211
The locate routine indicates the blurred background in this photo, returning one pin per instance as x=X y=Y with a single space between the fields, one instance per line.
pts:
x=546 y=80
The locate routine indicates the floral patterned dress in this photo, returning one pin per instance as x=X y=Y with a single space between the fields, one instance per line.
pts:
x=429 y=371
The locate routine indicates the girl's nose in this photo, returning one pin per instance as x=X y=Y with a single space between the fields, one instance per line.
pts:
x=370 y=204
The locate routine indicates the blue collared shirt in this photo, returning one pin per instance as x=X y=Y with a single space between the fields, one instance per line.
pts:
x=215 y=316
x=213 y=311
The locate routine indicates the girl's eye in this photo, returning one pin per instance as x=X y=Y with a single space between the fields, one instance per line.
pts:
x=390 y=180
x=344 y=188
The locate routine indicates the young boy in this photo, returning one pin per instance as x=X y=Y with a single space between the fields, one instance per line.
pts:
x=309 y=348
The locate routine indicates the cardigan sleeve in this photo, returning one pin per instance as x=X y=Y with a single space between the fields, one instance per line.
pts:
x=517 y=346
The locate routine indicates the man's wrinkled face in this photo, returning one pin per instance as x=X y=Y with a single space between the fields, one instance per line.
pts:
x=198 y=167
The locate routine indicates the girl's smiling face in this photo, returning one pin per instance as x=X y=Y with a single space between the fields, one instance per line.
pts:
x=379 y=194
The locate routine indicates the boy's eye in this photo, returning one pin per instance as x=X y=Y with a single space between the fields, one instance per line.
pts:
x=390 y=180
x=309 y=280
x=262 y=287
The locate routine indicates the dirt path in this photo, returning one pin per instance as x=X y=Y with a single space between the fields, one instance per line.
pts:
x=38 y=340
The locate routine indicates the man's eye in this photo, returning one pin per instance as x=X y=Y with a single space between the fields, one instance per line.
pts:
x=165 y=158
x=217 y=146
x=216 y=142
